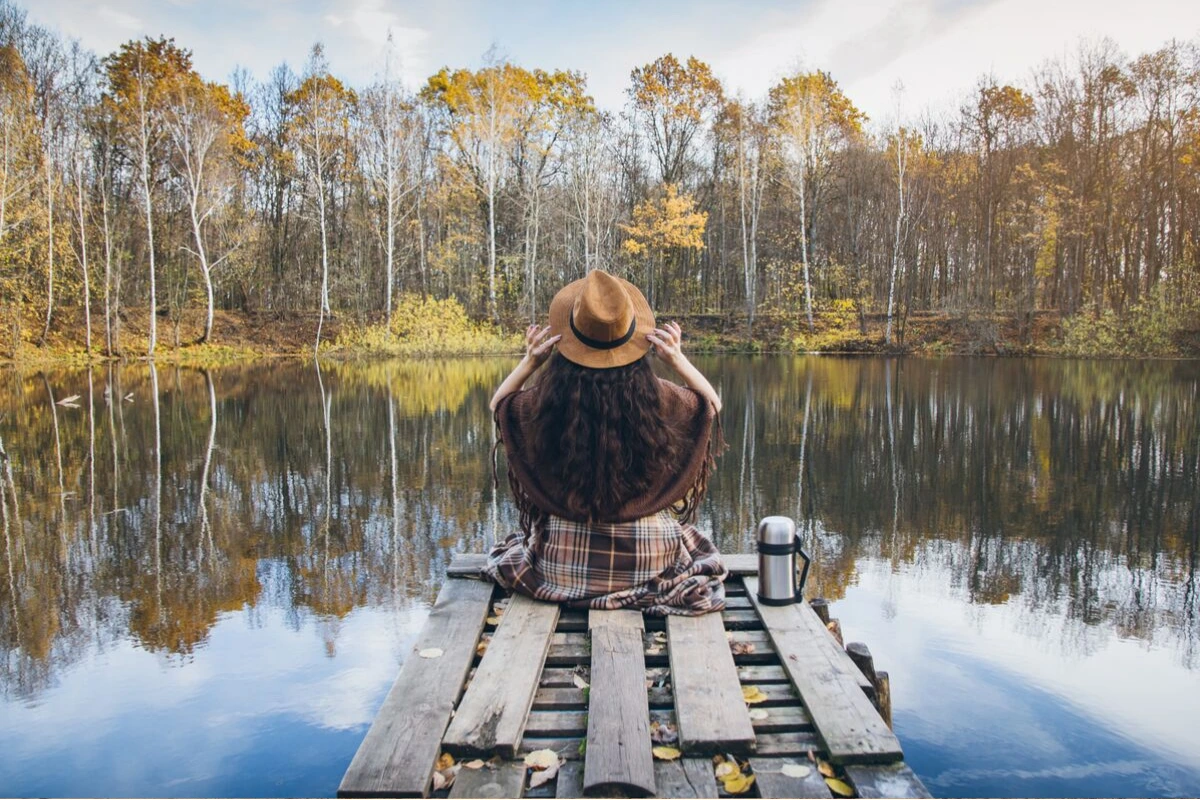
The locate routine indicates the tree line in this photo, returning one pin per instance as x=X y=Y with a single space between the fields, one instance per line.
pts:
x=130 y=184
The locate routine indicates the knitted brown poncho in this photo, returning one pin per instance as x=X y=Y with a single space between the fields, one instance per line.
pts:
x=537 y=493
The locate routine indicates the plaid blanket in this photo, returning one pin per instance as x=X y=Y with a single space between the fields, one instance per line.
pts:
x=655 y=564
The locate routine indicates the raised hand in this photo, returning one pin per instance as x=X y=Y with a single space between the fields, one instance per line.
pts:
x=539 y=344
x=667 y=342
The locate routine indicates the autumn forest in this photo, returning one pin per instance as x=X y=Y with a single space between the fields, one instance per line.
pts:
x=134 y=192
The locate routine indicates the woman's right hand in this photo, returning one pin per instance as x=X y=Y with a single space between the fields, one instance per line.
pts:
x=539 y=344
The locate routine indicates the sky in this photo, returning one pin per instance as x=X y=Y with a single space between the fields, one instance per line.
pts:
x=937 y=49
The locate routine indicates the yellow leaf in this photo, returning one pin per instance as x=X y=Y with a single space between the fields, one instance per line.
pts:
x=476 y=764
x=541 y=759
x=665 y=753
x=752 y=694
x=431 y=652
x=840 y=788
x=795 y=770
x=739 y=784
x=540 y=777
x=726 y=769
x=445 y=761
x=493 y=620
x=758 y=713
x=825 y=768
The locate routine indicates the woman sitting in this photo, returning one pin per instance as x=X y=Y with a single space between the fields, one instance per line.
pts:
x=607 y=462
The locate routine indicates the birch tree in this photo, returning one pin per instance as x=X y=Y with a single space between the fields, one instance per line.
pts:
x=205 y=125
x=812 y=118
x=319 y=128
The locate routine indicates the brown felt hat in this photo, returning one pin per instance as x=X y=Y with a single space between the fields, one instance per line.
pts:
x=603 y=321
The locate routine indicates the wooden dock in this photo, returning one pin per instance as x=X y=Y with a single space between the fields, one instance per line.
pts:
x=756 y=691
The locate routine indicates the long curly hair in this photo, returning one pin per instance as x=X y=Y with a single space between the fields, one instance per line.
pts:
x=601 y=432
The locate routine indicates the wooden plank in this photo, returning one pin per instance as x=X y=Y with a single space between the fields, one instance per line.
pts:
x=397 y=756
x=567 y=747
x=570 y=780
x=557 y=723
x=792 y=743
x=891 y=780
x=849 y=726
x=768 y=775
x=686 y=777
x=470 y=565
x=491 y=716
x=783 y=720
x=559 y=699
x=506 y=780
x=708 y=697
x=618 y=740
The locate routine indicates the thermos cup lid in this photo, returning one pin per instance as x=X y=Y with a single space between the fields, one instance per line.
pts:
x=776 y=530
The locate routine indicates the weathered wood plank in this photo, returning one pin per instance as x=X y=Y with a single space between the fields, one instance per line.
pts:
x=708 y=697
x=559 y=699
x=849 y=726
x=491 y=716
x=470 y=565
x=567 y=747
x=618 y=741
x=570 y=780
x=557 y=723
x=507 y=779
x=772 y=782
x=890 y=780
x=792 y=743
x=397 y=756
x=686 y=777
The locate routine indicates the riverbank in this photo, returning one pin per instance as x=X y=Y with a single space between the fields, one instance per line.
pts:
x=241 y=336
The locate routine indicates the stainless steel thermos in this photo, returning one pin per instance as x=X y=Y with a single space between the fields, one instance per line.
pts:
x=778 y=546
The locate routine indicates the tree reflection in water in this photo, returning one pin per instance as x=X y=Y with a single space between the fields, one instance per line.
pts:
x=1059 y=487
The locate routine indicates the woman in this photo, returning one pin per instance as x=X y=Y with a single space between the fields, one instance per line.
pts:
x=607 y=462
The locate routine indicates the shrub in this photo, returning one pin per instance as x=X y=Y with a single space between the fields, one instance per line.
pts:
x=423 y=326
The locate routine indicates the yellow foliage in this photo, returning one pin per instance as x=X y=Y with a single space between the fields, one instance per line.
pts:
x=423 y=326
x=666 y=223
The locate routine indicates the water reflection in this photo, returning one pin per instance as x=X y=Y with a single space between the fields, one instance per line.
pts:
x=149 y=505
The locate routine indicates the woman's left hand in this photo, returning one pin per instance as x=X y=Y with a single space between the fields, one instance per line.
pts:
x=539 y=344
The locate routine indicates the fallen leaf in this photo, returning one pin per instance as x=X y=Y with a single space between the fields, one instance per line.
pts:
x=665 y=753
x=718 y=760
x=830 y=626
x=431 y=652
x=729 y=635
x=758 y=713
x=796 y=770
x=476 y=764
x=493 y=620
x=840 y=788
x=653 y=650
x=445 y=761
x=439 y=781
x=739 y=784
x=544 y=776
x=659 y=636
x=752 y=694
x=481 y=648
x=542 y=759
x=742 y=648
x=579 y=682
x=825 y=768
x=725 y=769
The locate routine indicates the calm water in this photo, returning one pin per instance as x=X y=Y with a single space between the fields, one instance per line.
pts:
x=208 y=584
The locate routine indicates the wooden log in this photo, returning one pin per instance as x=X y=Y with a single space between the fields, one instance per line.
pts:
x=570 y=780
x=618 y=741
x=883 y=696
x=685 y=777
x=821 y=606
x=491 y=716
x=507 y=779
x=829 y=685
x=399 y=752
x=470 y=565
x=891 y=780
x=771 y=782
x=860 y=654
x=708 y=697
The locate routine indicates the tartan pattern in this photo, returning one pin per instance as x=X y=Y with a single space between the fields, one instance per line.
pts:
x=655 y=564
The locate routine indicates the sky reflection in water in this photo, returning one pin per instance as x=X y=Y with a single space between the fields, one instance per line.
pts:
x=1015 y=540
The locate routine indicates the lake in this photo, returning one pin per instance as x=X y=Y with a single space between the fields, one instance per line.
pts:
x=209 y=579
